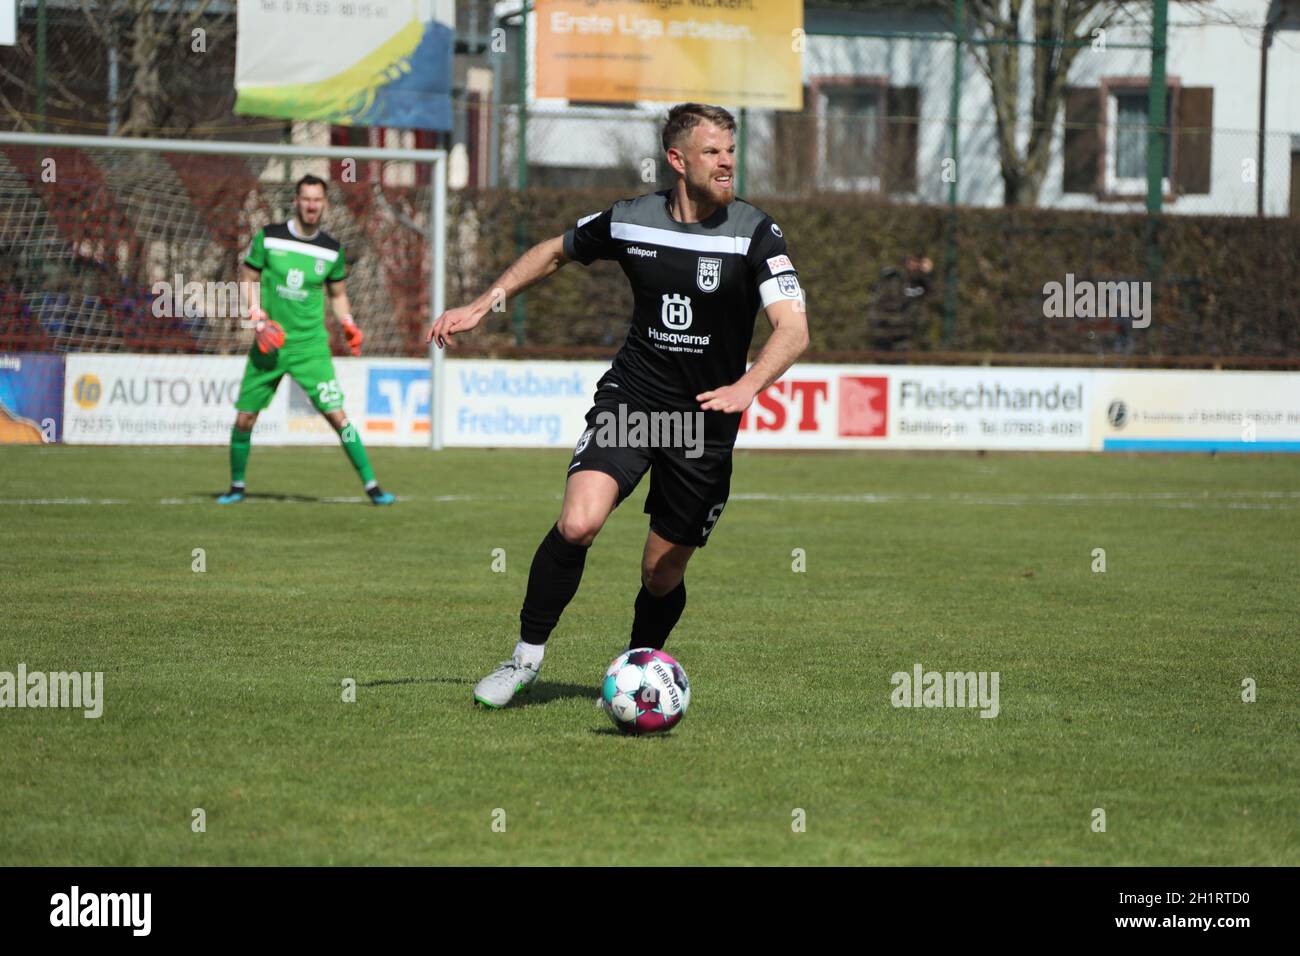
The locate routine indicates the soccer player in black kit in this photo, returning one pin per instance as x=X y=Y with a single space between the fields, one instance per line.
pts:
x=701 y=263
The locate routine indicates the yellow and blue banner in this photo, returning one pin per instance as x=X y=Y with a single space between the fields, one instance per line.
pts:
x=348 y=62
x=31 y=398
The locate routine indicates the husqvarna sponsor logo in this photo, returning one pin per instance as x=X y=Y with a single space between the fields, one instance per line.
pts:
x=676 y=312
x=677 y=338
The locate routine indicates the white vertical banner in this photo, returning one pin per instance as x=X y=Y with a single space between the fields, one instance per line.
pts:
x=8 y=22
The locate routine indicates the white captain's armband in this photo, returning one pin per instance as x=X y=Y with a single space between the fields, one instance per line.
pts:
x=780 y=288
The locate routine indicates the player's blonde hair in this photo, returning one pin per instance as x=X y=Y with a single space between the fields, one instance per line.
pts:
x=684 y=117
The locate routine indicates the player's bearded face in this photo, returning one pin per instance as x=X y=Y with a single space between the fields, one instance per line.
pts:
x=710 y=160
x=310 y=205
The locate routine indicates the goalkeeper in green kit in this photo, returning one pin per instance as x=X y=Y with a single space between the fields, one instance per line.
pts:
x=297 y=262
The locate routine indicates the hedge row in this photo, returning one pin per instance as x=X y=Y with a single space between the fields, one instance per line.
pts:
x=1225 y=286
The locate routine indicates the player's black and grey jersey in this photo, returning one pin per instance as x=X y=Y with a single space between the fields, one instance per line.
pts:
x=696 y=288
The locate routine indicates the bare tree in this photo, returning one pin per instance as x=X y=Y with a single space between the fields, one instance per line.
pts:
x=1058 y=30
x=150 y=36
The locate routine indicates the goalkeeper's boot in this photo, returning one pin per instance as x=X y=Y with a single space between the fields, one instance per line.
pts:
x=233 y=496
x=499 y=688
x=380 y=497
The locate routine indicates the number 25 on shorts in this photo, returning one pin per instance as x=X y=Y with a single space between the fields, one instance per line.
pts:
x=329 y=393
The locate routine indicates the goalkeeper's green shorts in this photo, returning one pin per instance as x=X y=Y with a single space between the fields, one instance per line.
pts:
x=313 y=371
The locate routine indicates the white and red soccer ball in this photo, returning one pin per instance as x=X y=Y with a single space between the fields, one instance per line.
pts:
x=645 y=692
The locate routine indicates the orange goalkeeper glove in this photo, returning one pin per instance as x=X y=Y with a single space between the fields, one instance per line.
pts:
x=353 y=333
x=269 y=335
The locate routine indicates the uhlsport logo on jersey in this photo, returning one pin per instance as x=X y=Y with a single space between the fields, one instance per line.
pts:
x=864 y=406
x=707 y=273
x=397 y=399
x=676 y=312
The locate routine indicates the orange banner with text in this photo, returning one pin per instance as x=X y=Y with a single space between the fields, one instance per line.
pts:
x=728 y=52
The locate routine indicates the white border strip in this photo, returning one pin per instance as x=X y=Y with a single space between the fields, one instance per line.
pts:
x=678 y=240
x=302 y=248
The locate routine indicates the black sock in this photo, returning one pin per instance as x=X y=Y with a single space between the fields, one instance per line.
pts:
x=656 y=616
x=552 y=583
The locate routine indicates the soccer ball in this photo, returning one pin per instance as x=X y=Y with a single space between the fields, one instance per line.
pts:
x=645 y=692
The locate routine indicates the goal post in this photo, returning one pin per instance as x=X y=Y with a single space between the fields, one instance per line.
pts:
x=97 y=232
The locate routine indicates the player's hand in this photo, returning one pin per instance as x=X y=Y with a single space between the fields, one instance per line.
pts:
x=451 y=322
x=729 y=398
x=269 y=335
x=353 y=333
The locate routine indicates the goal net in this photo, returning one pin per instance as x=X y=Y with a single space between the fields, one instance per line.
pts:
x=134 y=246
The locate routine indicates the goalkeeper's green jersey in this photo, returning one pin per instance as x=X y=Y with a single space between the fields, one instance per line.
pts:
x=294 y=272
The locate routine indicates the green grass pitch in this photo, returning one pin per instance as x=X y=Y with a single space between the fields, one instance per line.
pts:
x=1119 y=690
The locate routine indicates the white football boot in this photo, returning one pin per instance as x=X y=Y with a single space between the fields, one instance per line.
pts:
x=499 y=688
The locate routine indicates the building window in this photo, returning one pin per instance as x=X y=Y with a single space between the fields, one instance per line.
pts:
x=854 y=134
x=1105 y=143
x=1126 y=142
x=850 y=138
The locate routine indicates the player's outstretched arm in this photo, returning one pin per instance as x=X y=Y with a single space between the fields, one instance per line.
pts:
x=788 y=340
x=532 y=267
x=268 y=333
x=250 y=283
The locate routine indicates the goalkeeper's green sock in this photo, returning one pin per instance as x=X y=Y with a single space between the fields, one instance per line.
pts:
x=241 y=443
x=351 y=440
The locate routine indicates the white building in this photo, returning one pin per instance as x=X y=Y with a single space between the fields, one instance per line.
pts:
x=877 y=99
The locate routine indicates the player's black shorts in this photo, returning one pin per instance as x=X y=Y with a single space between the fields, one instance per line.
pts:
x=687 y=490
